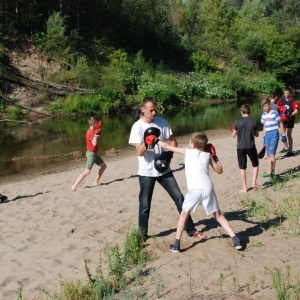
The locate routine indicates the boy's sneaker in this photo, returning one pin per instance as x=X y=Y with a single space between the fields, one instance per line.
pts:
x=264 y=175
x=284 y=150
x=272 y=176
x=174 y=249
x=238 y=246
x=289 y=154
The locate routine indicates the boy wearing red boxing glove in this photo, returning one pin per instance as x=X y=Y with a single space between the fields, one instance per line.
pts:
x=92 y=157
x=289 y=103
x=197 y=158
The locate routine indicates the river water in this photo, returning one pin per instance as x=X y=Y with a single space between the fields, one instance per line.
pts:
x=62 y=136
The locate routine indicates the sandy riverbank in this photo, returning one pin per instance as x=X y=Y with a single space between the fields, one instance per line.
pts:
x=47 y=230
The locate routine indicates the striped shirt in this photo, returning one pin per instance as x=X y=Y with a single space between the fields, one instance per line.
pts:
x=270 y=120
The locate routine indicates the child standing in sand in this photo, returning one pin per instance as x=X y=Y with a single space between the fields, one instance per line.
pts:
x=92 y=136
x=246 y=130
x=200 y=186
x=271 y=119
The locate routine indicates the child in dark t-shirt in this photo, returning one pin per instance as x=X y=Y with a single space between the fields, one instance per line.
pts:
x=245 y=129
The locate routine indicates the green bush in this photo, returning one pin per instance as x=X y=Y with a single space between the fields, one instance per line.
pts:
x=14 y=113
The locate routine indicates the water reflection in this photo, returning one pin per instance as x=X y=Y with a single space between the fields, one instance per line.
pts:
x=50 y=137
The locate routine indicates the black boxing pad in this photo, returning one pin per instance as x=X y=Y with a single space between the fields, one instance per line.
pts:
x=162 y=162
x=151 y=131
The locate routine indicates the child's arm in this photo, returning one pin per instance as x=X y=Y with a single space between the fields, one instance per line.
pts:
x=95 y=140
x=171 y=148
x=216 y=165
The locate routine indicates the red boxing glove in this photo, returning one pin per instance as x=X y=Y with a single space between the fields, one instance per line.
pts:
x=98 y=131
x=99 y=124
x=232 y=127
x=210 y=148
x=151 y=140
x=99 y=128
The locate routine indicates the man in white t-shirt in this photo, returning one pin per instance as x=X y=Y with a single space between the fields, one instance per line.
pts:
x=148 y=174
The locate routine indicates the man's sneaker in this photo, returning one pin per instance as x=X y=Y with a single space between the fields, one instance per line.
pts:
x=284 y=150
x=289 y=154
x=174 y=249
x=238 y=246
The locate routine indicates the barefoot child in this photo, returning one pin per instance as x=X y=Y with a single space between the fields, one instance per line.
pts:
x=92 y=136
x=245 y=129
x=200 y=186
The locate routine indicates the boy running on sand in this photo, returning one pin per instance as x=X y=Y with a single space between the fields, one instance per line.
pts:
x=200 y=186
x=92 y=136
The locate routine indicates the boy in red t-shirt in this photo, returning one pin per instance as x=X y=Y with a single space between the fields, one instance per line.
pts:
x=288 y=108
x=92 y=136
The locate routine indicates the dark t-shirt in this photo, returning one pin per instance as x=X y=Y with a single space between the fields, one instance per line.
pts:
x=246 y=128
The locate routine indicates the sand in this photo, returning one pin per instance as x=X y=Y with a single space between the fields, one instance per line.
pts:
x=47 y=230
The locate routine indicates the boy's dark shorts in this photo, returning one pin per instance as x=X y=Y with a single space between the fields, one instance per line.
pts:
x=289 y=124
x=242 y=157
x=92 y=158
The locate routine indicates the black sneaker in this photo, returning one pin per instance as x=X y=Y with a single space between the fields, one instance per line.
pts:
x=145 y=237
x=289 y=154
x=284 y=150
x=238 y=246
x=174 y=249
x=3 y=199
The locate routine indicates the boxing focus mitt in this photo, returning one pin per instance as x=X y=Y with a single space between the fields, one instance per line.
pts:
x=136 y=114
x=210 y=148
x=151 y=136
x=283 y=138
x=162 y=162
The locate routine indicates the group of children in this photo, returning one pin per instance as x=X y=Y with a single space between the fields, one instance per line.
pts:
x=198 y=157
x=276 y=114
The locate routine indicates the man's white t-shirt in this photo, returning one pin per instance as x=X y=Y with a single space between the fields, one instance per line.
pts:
x=146 y=162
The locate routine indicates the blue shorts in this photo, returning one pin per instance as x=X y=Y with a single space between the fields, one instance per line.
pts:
x=271 y=141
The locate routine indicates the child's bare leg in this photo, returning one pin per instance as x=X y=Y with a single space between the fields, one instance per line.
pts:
x=224 y=223
x=181 y=223
x=273 y=162
x=244 y=183
x=80 y=178
x=103 y=167
x=254 y=178
x=289 y=138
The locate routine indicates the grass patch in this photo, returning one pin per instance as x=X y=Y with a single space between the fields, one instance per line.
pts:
x=285 y=288
x=124 y=270
x=278 y=207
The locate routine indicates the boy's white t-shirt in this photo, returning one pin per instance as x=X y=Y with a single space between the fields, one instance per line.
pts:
x=146 y=162
x=197 y=169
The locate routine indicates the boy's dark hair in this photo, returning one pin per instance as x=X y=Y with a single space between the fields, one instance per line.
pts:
x=288 y=89
x=199 y=139
x=245 y=109
x=273 y=95
x=265 y=101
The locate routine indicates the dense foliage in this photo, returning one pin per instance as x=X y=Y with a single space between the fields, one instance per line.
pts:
x=126 y=49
